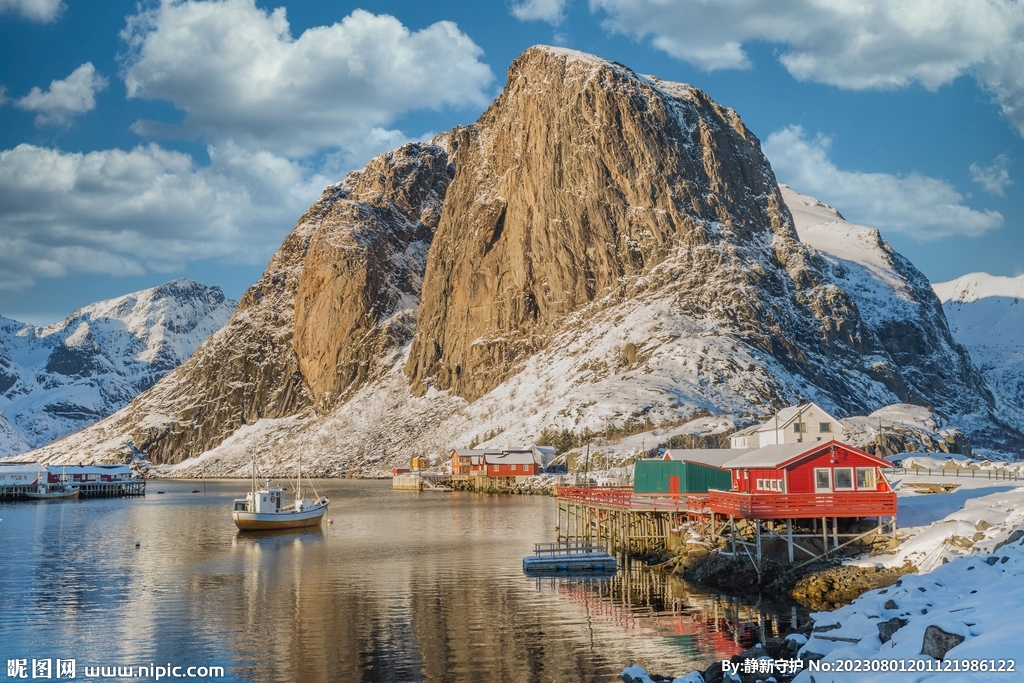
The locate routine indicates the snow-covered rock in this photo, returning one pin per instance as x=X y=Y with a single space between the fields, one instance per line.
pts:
x=57 y=379
x=986 y=315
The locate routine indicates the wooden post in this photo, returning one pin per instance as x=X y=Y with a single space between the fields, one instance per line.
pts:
x=757 y=534
x=835 y=532
x=789 y=537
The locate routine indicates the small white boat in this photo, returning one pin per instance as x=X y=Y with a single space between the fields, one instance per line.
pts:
x=54 y=492
x=264 y=509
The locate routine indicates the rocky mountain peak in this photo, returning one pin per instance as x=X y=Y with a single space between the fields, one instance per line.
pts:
x=599 y=250
x=580 y=178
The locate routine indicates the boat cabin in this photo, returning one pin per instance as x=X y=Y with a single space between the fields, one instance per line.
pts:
x=266 y=500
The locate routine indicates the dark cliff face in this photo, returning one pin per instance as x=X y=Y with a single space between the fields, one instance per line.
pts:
x=580 y=177
x=360 y=285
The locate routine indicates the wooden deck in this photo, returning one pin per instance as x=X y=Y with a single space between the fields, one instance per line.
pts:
x=802 y=505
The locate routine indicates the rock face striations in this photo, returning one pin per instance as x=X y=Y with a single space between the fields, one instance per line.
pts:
x=598 y=247
x=361 y=282
x=581 y=177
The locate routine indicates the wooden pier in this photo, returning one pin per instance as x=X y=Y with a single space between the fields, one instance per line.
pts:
x=620 y=520
x=802 y=528
x=93 y=489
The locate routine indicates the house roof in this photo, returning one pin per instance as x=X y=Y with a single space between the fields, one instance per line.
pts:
x=752 y=429
x=787 y=416
x=88 y=469
x=473 y=451
x=716 y=457
x=779 y=455
x=508 y=457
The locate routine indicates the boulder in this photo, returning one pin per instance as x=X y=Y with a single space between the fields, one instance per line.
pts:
x=887 y=628
x=938 y=642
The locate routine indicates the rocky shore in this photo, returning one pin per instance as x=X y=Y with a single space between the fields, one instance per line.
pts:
x=819 y=586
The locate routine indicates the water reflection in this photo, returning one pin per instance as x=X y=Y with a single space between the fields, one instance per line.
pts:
x=402 y=587
x=644 y=603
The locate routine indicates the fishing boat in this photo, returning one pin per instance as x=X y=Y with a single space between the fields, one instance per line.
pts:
x=264 y=509
x=53 y=492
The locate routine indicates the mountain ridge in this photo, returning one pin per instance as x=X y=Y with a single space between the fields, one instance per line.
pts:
x=599 y=248
x=62 y=377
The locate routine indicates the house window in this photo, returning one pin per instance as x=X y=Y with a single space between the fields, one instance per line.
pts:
x=825 y=427
x=865 y=477
x=844 y=478
x=822 y=480
x=760 y=483
x=799 y=427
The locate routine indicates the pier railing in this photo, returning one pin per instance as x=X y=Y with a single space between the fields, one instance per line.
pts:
x=625 y=497
x=965 y=472
x=802 y=505
x=565 y=548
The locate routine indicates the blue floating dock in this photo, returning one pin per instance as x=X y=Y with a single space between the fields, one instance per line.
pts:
x=568 y=557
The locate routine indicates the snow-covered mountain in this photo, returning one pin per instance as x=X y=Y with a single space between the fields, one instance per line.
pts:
x=57 y=379
x=986 y=315
x=599 y=251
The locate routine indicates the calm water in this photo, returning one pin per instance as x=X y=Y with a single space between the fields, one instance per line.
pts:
x=402 y=587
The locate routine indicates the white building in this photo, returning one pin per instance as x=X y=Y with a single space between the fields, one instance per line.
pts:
x=20 y=473
x=805 y=423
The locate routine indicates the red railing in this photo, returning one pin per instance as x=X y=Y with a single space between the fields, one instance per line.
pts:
x=624 y=497
x=802 y=505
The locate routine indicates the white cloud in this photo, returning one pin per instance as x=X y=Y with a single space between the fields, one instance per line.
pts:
x=993 y=178
x=848 y=43
x=921 y=207
x=65 y=99
x=236 y=71
x=551 y=11
x=43 y=11
x=118 y=212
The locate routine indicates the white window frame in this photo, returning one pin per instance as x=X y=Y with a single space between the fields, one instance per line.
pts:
x=817 y=487
x=825 y=427
x=874 y=478
x=835 y=479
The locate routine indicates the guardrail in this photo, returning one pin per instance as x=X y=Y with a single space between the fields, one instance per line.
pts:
x=802 y=505
x=624 y=497
x=955 y=472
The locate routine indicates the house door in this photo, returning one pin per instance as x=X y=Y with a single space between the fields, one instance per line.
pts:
x=822 y=480
x=673 y=483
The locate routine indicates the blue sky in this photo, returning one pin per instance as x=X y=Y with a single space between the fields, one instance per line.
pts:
x=145 y=141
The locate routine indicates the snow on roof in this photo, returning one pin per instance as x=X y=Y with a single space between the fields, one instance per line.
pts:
x=88 y=469
x=508 y=458
x=748 y=431
x=716 y=457
x=774 y=455
x=473 y=451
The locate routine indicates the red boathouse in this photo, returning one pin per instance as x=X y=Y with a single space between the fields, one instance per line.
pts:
x=803 y=485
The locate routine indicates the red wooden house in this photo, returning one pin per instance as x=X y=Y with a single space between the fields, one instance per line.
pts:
x=801 y=480
x=510 y=463
x=470 y=460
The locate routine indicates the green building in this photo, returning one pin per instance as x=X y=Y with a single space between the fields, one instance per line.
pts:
x=685 y=471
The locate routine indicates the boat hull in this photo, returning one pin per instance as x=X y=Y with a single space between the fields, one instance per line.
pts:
x=57 y=495
x=266 y=521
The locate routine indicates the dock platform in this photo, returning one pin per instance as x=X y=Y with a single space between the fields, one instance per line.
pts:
x=569 y=557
